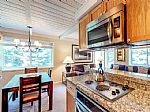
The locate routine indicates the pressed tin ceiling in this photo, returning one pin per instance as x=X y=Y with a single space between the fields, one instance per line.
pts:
x=50 y=17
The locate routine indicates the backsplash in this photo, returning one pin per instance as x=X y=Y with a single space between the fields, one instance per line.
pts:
x=128 y=78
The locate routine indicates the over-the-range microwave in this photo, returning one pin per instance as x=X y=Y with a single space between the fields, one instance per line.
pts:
x=108 y=30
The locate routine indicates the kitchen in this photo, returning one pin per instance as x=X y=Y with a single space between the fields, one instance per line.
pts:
x=104 y=67
x=120 y=25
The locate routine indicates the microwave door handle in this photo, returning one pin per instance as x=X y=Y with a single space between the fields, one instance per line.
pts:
x=110 y=30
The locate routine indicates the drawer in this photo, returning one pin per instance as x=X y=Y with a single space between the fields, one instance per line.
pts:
x=71 y=88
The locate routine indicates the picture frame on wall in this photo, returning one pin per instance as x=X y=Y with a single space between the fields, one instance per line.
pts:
x=121 y=54
x=81 y=56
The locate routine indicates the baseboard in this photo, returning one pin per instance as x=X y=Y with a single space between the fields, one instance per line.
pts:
x=58 y=82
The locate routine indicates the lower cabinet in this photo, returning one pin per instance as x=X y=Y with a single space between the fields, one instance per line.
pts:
x=70 y=102
x=70 y=97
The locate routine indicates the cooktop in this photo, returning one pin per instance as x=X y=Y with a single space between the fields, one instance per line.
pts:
x=108 y=90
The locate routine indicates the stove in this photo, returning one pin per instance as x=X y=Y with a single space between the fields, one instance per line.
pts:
x=108 y=90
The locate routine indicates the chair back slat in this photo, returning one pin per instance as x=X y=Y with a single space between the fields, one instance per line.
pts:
x=30 y=80
x=31 y=70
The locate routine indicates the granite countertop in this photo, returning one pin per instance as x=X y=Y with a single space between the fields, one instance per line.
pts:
x=136 y=101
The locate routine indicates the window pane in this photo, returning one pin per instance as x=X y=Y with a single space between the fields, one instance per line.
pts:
x=139 y=56
x=13 y=58
x=99 y=56
x=109 y=58
x=148 y=56
x=42 y=58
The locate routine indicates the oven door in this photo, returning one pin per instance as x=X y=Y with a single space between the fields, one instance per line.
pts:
x=85 y=104
x=100 y=34
x=80 y=107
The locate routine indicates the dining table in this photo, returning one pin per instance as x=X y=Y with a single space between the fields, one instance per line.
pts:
x=14 y=84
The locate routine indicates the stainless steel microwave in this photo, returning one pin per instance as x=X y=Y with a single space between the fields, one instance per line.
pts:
x=108 y=30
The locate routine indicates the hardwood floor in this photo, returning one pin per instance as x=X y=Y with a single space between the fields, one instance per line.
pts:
x=59 y=101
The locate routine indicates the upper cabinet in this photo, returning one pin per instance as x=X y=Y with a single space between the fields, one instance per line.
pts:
x=138 y=20
x=114 y=3
x=82 y=31
x=99 y=10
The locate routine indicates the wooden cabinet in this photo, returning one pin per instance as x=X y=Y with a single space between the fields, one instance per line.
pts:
x=147 y=16
x=98 y=11
x=114 y=3
x=70 y=97
x=138 y=20
x=82 y=31
x=70 y=102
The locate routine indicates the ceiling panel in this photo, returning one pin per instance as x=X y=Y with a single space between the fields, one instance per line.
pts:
x=50 y=17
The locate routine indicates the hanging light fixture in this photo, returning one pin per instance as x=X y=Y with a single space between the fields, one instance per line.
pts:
x=23 y=46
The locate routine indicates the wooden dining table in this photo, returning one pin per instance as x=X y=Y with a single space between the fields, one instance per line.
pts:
x=14 y=83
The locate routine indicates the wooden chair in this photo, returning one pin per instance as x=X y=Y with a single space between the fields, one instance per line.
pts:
x=31 y=70
x=27 y=70
x=30 y=90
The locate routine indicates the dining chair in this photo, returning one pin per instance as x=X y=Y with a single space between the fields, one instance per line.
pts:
x=27 y=70
x=30 y=91
x=31 y=70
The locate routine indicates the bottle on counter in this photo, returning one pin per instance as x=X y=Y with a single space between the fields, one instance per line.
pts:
x=100 y=73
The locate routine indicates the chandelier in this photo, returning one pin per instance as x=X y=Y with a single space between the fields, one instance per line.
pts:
x=28 y=47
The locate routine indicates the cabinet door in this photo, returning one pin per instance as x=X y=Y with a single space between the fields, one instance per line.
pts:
x=114 y=3
x=96 y=12
x=70 y=102
x=147 y=10
x=110 y=4
x=82 y=31
x=136 y=24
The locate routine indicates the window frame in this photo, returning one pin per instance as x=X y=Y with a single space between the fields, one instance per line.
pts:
x=130 y=57
x=106 y=57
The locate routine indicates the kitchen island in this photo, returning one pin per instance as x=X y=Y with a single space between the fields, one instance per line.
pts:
x=137 y=100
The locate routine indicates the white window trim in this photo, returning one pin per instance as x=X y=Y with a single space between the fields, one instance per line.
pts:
x=130 y=57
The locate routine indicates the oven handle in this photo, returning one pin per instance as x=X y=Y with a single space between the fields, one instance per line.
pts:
x=80 y=109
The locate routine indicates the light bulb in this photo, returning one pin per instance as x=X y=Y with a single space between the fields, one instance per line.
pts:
x=23 y=43
x=36 y=43
x=16 y=41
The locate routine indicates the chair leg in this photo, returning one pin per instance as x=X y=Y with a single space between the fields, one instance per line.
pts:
x=20 y=107
x=16 y=94
x=31 y=103
x=47 y=92
x=39 y=106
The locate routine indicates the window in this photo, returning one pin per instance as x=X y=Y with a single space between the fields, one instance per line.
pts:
x=109 y=57
x=13 y=58
x=106 y=56
x=99 y=56
x=140 y=56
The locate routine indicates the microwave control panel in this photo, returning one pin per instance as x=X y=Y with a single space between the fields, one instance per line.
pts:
x=117 y=27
